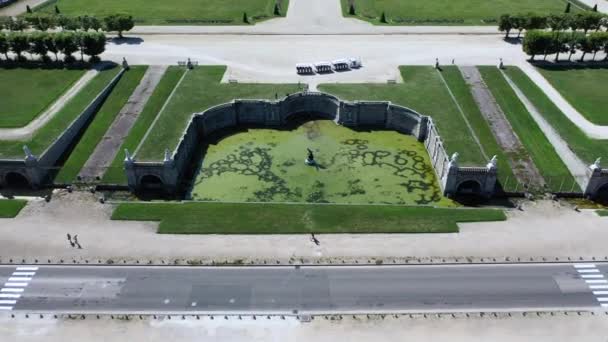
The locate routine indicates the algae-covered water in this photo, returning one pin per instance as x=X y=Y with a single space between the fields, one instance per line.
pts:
x=267 y=165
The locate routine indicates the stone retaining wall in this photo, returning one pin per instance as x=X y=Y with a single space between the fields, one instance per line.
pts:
x=382 y=115
x=36 y=169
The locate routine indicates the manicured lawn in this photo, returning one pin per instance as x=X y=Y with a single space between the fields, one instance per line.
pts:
x=602 y=212
x=267 y=165
x=449 y=12
x=10 y=208
x=536 y=144
x=116 y=173
x=586 y=148
x=100 y=124
x=26 y=93
x=47 y=134
x=178 y=12
x=225 y=218
x=200 y=90
x=423 y=91
x=584 y=87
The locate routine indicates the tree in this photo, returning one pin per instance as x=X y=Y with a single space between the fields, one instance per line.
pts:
x=67 y=44
x=4 y=45
x=597 y=41
x=559 y=41
x=505 y=24
x=68 y=23
x=557 y=22
x=18 y=24
x=57 y=11
x=42 y=22
x=383 y=18
x=535 y=22
x=590 y=21
x=584 y=44
x=594 y=8
x=535 y=42
x=85 y=22
x=568 y=7
x=351 y=9
x=19 y=42
x=519 y=23
x=95 y=23
x=94 y=44
x=277 y=9
x=120 y=23
x=28 y=9
x=37 y=44
x=245 y=18
x=5 y=23
x=51 y=44
x=572 y=42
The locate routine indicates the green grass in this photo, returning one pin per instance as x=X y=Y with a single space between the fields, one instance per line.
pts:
x=200 y=90
x=450 y=12
x=423 y=91
x=180 y=12
x=586 y=148
x=462 y=92
x=536 y=144
x=363 y=167
x=10 y=208
x=585 y=89
x=41 y=140
x=222 y=218
x=602 y=212
x=100 y=124
x=26 y=93
x=116 y=173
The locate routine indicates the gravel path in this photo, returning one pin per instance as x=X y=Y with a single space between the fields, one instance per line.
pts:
x=27 y=131
x=523 y=168
x=574 y=164
x=106 y=150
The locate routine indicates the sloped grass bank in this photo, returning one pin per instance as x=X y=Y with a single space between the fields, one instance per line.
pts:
x=10 y=208
x=226 y=218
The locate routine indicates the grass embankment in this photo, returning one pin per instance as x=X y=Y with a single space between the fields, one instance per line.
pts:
x=116 y=173
x=224 y=218
x=536 y=145
x=200 y=89
x=602 y=212
x=10 y=208
x=57 y=125
x=423 y=91
x=586 y=148
x=100 y=124
x=584 y=87
x=451 y=12
x=26 y=93
x=182 y=12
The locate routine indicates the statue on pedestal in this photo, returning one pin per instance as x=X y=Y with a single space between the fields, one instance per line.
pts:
x=310 y=160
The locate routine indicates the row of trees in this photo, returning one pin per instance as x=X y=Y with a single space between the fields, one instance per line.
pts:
x=42 y=43
x=43 y=22
x=584 y=21
x=539 y=42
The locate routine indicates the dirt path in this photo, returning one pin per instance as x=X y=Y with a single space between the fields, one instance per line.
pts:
x=27 y=131
x=106 y=150
x=522 y=165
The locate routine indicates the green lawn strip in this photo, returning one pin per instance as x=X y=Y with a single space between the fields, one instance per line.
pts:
x=227 y=218
x=602 y=212
x=463 y=95
x=200 y=90
x=26 y=93
x=41 y=140
x=423 y=91
x=100 y=124
x=536 y=144
x=10 y=208
x=451 y=12
x=586 y=148
x=584 y=87
x=116 y=173
x=184 y=12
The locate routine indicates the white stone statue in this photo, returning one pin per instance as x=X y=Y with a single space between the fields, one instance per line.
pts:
x=596 y=165
x=128 y=157
x=493 y=163
x=167 y=155
x=454 y=158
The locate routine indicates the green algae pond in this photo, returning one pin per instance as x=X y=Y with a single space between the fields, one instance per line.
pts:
x=352 y=166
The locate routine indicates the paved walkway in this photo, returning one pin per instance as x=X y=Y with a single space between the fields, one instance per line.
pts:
x=523 y=168
x=25 y=132
x=574 y=164
x=602 y=5
x=106 y=150
x=19 y=7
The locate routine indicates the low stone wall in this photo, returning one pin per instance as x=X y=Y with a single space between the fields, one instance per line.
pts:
x=374 y=114
x=36 y=169
x=597 y=183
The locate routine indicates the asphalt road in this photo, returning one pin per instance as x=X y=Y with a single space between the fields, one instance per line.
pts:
x=307 y=289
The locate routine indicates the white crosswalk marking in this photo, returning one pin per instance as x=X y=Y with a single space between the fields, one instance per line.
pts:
x=598 y=293
x=11 y=290
x=602 y=299
x=7 y=301
x=19 y=279
x=597 y=287
x=10 y=295
x=15 y=285
x=596 y=281
x=6 y=308
x=589 y=270
x=27 y=268
x=592 y=276
x=24 y=273
x=584 y=266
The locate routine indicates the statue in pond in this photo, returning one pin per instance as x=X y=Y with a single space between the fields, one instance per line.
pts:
x=310 y=160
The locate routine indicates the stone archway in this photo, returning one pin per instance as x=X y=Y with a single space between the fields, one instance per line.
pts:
x=601 y=195
x=16 y=180
x=151 y=182
x=469 y=187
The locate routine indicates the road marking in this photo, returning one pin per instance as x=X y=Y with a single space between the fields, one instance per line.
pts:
x=602 y=299
x=604 y=305
x=596 y=281
x=589 y=270
x=600 y=293
x=592 y=276
x=584 y=266
x=10 y=295
x=595 y=287
x=6 y=308
x=24 y=273
x=27 y=268
x=5 y=301
x=19 y=279
x=15 y=285
x=11 y=290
